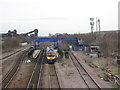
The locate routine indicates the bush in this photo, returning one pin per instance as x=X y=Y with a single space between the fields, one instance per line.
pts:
x=10 y=43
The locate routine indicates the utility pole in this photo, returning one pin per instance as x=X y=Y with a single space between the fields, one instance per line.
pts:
x=99 y=32
x=99 y=41
x=99 y=26
x=96 y=31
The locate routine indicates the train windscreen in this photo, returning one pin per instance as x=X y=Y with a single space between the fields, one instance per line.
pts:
x=50 y=54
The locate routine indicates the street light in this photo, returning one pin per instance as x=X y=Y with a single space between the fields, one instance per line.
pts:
x=92 y=19
x=92 y=24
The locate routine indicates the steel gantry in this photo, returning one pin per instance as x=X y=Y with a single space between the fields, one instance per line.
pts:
x=54 y=39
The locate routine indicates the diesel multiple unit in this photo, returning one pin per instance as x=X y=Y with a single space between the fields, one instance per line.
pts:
x=51 y=55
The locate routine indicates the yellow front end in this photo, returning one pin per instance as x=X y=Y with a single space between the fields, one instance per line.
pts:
x=51 y=58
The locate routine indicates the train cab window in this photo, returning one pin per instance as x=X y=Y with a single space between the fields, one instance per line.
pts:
x=50 y=54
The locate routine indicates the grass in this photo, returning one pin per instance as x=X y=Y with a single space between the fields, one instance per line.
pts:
x=113 y=85
x=100 y=64
x=113 y=69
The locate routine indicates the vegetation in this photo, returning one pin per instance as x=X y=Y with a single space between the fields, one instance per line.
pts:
x=109 y=44
x=12 y=43
x=108 y=41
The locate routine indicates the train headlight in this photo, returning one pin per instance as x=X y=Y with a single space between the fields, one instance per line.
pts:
x=53 y=57
x=48 y=57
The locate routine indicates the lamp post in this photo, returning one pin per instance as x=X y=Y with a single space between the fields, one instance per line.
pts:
x=92 y=24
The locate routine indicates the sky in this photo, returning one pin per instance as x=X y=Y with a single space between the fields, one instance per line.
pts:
x=57 y=16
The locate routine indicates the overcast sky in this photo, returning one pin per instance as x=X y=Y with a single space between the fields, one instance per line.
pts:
x=57 y=16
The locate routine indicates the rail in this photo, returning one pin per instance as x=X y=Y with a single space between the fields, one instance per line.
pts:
x=16 y=52
x=53 y=78
x=9 y=76
x=89 y=81
x=33 y=81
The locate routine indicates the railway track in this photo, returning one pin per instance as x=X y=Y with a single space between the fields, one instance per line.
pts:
x=49 y=78
x=90 y=82
x=33 y=81
x=53 y=79
x=12 y=54
x=9 y=76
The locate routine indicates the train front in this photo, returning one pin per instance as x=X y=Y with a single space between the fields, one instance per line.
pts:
x=51 y=55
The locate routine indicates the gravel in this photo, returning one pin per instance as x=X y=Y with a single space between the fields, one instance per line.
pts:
x=91 y=71
x=68 y=75
x=23 y=74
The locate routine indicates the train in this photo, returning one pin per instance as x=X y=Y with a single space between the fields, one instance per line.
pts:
x=51 y=54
